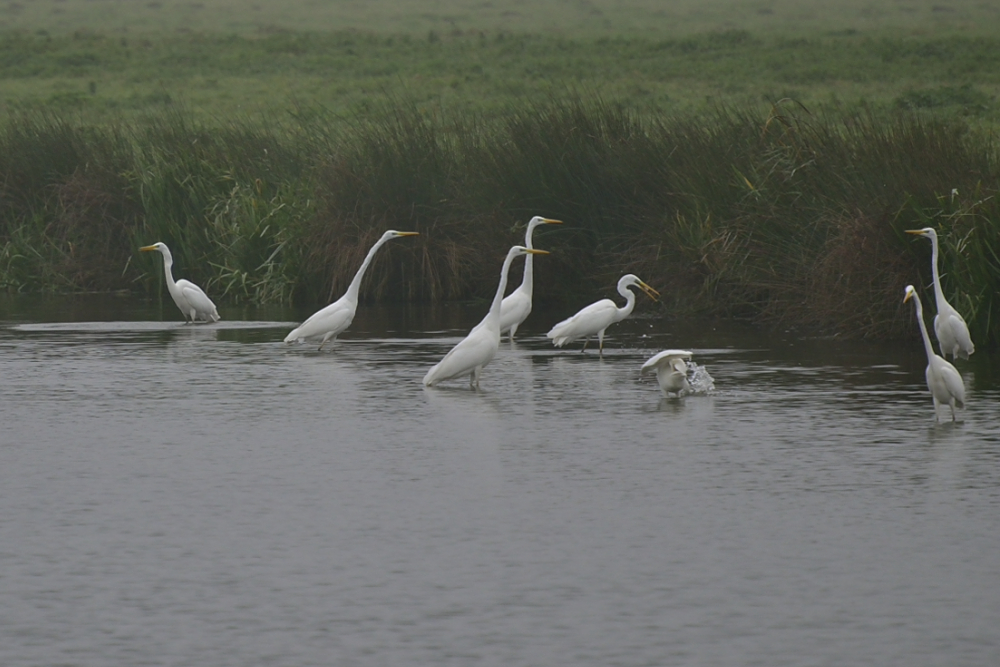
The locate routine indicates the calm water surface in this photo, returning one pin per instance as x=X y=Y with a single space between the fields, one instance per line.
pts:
x=206 y=495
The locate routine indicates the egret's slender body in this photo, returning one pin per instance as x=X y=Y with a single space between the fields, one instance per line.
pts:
x=477 y=349
x=328 y=322
x=671 y=371
x=949 y=326
x=943 y=379
x=516 y=306
x=192 y=301
x=597 y=317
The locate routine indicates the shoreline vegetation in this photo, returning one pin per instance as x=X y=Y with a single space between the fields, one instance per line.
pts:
x=782 y=216
x=741 y=174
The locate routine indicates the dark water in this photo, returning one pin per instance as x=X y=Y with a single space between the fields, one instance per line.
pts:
x=205 y=495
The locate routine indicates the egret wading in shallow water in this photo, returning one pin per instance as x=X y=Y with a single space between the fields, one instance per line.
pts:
x=949 y=326
x=671 y=371
x=516 y=306
x=943 y=379
x=477 y=349
x=597 y=317
x=193 y=302
x=333 y=319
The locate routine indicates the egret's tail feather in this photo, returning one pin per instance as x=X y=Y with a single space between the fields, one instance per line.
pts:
x=430 y=380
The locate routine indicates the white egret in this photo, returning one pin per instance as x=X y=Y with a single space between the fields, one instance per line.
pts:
x=328 y=322
x=950 y=328
x=597 y=317
x=477 y=349
x=671 y=371
x=516 y=306
x=193 y=302
x=943 y=379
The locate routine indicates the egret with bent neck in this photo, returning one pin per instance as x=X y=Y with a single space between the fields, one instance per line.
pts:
x=190 y=299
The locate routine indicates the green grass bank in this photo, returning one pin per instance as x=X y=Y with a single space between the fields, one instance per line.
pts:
x=773 y=213
x=103 y=78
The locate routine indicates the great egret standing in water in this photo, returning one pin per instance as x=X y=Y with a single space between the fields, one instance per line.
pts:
x=478 y=348
x=193 y=302
x=333 y=319
x=943 y=379
x=671 y=371
x=516 y=306
x=597 y=317
x=949 y=326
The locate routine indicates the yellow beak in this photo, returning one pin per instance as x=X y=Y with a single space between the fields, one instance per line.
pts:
x=652 y=293
x=532 y=251
x=409 y=233
x=550 y=221
x=147 y=248
x=918 y=232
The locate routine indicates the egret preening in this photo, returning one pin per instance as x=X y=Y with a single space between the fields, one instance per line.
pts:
x=333 y=319
x=950 y=328
x=943 y=379
x=477 y=349
x=516 y=307
x=671 y=371
x=597 y=317
x=193 y=302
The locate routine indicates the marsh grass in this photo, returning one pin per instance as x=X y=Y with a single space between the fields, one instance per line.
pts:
x=777 y=213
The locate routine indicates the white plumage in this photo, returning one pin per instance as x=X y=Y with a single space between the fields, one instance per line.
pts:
x=597 y=317
x=477 y=349
x=516 y=306
x=949 y=326
x=943 y=379
x=190 y=299
x=671 y=371
x=330 y=321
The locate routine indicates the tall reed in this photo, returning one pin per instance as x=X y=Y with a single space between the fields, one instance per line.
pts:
x=778 y=213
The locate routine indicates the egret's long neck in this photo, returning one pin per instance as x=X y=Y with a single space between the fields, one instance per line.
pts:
x=528 y=280
x=626 y=310
x=494 y=314
x=355 y=287
x=923 y=328
x=938 y=291
x=168 y=262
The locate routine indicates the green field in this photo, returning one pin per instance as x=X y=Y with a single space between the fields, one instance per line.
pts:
x=555 y=17
x=757 y=159
x=104 y=59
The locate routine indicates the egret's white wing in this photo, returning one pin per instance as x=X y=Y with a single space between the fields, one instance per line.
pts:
x=948 y=383
x=665 y=357
x=336 y=317
x=953 y=333
x=678 y=365
x=475 y=350
x=587 y=322
x=197 y=299
x=514 y=309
